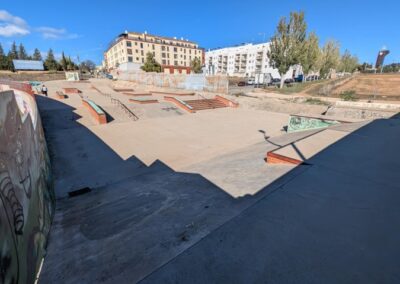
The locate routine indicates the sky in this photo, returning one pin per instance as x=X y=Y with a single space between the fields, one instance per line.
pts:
x=84 y=29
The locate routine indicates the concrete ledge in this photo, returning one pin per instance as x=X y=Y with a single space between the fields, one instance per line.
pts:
x=226 y=102
x=121 y=90
x=137 y=94
x=71 y=91
x=172 y=94
x=365 y=105
x=180 y=104
x=143 y=101
x=97 y=113
x=273 y=158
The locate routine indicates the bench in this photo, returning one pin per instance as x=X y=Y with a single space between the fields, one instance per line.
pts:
x=96 y=112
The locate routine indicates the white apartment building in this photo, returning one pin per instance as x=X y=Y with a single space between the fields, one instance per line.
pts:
x=248 y=60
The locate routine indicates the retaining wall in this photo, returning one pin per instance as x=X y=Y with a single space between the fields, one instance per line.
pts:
x=198 y=82
x=26 y=192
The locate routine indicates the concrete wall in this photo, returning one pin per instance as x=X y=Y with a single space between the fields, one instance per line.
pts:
x=32 y=76
x=199 y=82
x=26 y=192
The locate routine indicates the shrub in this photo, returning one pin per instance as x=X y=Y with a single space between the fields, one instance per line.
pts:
x=348 y=96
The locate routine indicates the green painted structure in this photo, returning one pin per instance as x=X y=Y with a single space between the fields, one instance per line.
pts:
x=301 y=123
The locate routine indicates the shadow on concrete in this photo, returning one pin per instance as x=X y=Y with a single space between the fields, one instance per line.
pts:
x=334 y=220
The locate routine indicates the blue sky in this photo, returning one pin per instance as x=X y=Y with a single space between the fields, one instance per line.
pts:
x=85 y=28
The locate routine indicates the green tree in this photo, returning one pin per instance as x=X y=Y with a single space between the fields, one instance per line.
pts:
x=195 y=65
x=3 y=59
x=13 y=53
x=151 y=65
x=64 y=62
x=22 y=52
x=311 y=54
x=50 y=62
x=287 y=44
x=37 y=55
x=348 y=62
x=330 y=58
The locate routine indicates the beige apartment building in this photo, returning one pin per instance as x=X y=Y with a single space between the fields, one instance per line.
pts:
x=174 y=55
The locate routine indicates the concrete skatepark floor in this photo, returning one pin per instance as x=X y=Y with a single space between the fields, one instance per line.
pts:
x=188 y=198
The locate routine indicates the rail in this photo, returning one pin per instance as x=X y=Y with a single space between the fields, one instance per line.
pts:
x=120 y=105
x=124 y=108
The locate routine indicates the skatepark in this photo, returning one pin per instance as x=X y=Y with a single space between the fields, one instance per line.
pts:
x=155 y=193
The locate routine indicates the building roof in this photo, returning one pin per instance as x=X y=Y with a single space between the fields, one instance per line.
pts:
x=28 y=65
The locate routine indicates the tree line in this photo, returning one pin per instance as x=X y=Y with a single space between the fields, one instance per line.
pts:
x=50 y=63
x=292 y=44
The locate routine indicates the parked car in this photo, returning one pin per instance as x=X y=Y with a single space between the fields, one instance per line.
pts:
x=275 y=82
x=241 y=83
x=289 y=81
x=250 y=81
x=109 y=76
x=312 y=78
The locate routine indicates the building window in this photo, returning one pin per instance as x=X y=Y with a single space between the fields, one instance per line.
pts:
x=154 y=47
x=141 y=45
x=142 y=60
x=130 y=59
x=129 y=51
x=163 y=48
x=135 y=43
x=163 y=55
x=175 y=56
x=176 y=63
x=164 y=62
x=175 y=49
x=128 y=43
x=141 y=52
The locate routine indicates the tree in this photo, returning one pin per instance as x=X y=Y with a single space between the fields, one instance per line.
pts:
x=348 y=62
x=13 y=53
x=22 y=52
x=287 y=44
x=64 y=62
x=88 y=66
x=330 y=58
x=195 y=65
x=3 y=59
x=311 y=55
x=151 y=65
x=50 y=62
x=37 y=55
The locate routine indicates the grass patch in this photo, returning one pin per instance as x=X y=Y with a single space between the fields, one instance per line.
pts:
x=293 y=88
x=314 y=101
x=349 y=96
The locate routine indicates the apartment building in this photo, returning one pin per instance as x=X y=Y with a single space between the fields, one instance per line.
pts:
x=174 y=55
x=248 y=60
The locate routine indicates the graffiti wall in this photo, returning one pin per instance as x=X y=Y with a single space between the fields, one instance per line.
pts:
x=199 y=82
x=26 y=192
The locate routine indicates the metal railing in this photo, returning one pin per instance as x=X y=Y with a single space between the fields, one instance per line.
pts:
x=119 y=104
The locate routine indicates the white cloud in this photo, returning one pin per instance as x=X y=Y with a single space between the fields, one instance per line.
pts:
x=11 y=25
x=54 y=33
